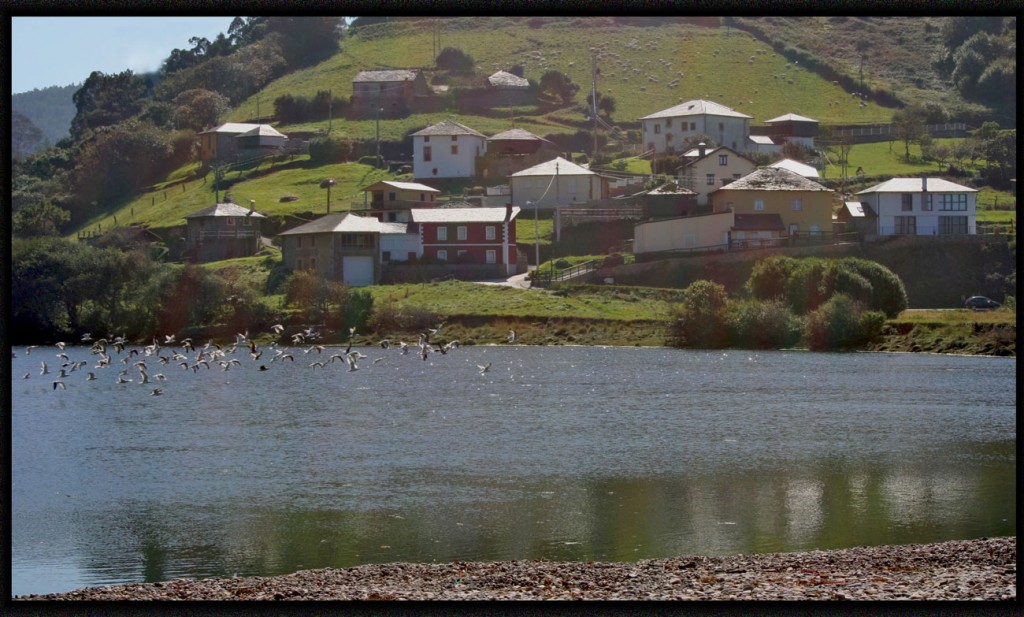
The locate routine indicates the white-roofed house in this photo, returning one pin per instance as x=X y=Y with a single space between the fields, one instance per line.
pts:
x=390 y=201
x=219 y=143
x=667 y=131
x=557 y=182
x=342 y=247
x=482 y=238
x=793 y=128
x=262 y=139
x=447 y=149
x=922 y=207
x=222 y=231
x=706 y=169
x=798 y=205
x=514 y=150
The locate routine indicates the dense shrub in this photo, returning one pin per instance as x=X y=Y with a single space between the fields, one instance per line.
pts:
x=887 y=291
x=329 y=150
x=806 y=288
x=842 y=323
x=768 y=277
x=700 y=318
x=762 y=325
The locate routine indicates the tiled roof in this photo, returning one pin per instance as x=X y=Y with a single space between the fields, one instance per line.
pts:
x=696 y=107
x=508 y=80
x=758 y=222
x=670 y=188
x=232 y=127
x=515 y=135
x=461 y=215
x=448 y=127
x=913 y=185
x=556 y=165
x=385 y=75
x=796 y=166
x=791 y=118
x=403 y=186
x=337 y=222
x=773 y=179
x=225 y=209
x=263 y=130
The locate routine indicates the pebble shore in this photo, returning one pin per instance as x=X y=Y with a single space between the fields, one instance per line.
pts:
x=982 y=569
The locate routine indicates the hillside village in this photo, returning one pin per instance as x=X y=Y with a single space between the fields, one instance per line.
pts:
x=418 y=172
x=716 y=199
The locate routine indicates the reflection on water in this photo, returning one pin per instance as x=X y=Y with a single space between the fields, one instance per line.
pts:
x=598 y=454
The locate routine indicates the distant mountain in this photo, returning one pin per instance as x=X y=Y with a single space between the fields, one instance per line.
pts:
x=51 y=109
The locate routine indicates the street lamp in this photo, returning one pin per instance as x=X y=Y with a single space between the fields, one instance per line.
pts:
x=327 y=184
x=536 y=236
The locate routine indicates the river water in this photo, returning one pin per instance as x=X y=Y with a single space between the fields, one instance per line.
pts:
x=561 y=453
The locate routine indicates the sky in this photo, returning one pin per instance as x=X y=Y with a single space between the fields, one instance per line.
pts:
x=60 y=51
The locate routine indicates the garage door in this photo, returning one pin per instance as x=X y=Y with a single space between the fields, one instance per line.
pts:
x=357 y=271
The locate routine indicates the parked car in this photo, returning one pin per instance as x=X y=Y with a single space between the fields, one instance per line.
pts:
x=981 y=303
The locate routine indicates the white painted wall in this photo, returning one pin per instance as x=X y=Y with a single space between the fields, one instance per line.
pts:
x=448 y=165
x=689 y=232
x=890 y=205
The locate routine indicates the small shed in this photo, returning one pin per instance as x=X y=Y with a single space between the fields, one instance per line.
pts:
x=222 y=231
x=669 y=200
x=859 y=217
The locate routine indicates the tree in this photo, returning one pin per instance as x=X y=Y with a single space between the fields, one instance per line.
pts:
x=40 y=219
x=558 y=85
x=700 y=318
x=199 y=108
x=454 y=60
x=104 y=100
x=605 y=103
x=910 y=126
x=306 y=40
x=26 y=137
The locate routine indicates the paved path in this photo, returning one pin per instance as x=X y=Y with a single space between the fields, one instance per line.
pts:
x=518 y=280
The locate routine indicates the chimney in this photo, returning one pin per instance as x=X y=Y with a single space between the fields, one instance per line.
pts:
x=701 y=149
x=924 y=184
x=252 y=206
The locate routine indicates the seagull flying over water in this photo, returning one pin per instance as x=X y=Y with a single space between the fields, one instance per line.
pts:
x=484 y=367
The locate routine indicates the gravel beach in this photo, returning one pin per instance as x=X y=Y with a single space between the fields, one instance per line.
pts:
x=983 y=569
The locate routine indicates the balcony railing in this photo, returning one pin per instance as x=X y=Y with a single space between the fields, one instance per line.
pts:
x=216 y=234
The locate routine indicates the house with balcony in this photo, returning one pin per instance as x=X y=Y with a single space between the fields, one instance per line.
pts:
x=668 y=131
x=447 y=149
x=342 y=247
x=784 y=204
x=481 y=237
x=514 y=150
x=394 y=92
x=922 y=207
x=390 y=201
x=706 y=169
x=222 y=231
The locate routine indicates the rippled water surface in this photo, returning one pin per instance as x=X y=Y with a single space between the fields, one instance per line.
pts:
x=570 y=453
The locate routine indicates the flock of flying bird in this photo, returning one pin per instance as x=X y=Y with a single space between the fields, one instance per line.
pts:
x=186 y=356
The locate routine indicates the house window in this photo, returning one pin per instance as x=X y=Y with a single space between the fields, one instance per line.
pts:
x=489 y=232
x=426 y=154
x=426 y=139
x=442 y=234
x=460 y=232
x=668 y=123
x=906 y=225
x=723 y=159
x=711 y=179
x=668 y=137
x=952 y=225
x=798 y=203
x=758 y=204
x=392 y=196
x=455 y=149
x=230 y=221
x=926 y=203
x=385 y=256
x=906 y=202
x=693 y=126
x=657 y=129
x=721 y=126
x=392 y=217
x=442 y=255
x=455 y=137
x=298 y=264
x=953 y=201
x=247 y=221
x=492 y=257
x=435 y=171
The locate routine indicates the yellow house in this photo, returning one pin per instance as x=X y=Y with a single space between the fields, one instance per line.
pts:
x=803 y=206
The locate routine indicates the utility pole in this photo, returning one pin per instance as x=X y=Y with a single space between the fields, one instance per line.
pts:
x=330 y=112
x=379 y=109
x=257 y=109
x=593 y=99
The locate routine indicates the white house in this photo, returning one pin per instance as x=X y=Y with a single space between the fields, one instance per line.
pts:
x=922 y=207
x=557 y=182
x=667 y=130
x=446 y=150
